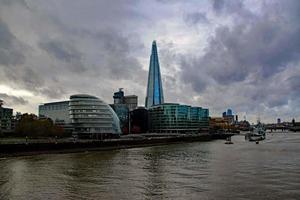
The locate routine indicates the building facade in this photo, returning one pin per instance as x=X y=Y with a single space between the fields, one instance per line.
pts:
x=58 y=112
x=6 y=120
x=139 y=120
x=154 y=94
x=91 y=117
x=131 y=101
x=122 y=112
x=176 y=118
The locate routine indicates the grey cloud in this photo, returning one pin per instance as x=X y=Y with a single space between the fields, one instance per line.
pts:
x=265 y=46
x=196 y=18
x=12 y=100
x=64 y=52
x=10 y=47
x=218 y=5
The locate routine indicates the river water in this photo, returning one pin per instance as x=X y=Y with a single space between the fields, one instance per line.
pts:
x=199 y=170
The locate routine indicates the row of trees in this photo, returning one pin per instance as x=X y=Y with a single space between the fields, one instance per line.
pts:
x=29 y=125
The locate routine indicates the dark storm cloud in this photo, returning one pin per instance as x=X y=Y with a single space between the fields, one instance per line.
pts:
x=64 y=52
x=10 y=50
x=12 y=100
x=115 y=49
x=264 y=46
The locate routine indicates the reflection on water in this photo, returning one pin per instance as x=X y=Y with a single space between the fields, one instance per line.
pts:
x=207 y=170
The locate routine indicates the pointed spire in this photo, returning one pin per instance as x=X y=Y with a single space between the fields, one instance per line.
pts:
x=155 y=94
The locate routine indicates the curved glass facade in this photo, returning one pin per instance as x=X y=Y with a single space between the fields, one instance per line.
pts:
x=90 y=116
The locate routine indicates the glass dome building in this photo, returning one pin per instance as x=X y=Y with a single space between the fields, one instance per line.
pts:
x=92 y=117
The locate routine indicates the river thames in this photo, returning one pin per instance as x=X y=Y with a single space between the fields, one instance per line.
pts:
x=199 y=170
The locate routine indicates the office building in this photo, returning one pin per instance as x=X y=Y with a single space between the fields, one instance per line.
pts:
x=154 y=94
x=176 y=118
x=122 y=112
x=91 y=117
x=131 y=101
x=119 y=97
x=85 y=115
x=58 y=112
x=229 y=112
x=228 y=116
x=122 y=106
x=6 y=119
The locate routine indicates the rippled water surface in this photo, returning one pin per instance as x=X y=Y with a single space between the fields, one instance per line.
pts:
x=200 y=170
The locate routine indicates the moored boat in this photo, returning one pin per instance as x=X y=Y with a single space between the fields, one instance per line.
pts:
x=257 y=134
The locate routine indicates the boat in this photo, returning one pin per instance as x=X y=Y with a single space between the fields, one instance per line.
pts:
x=257 y=134
x=228 y=141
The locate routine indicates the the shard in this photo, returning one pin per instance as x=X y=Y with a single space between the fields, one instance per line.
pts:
x=155 y=93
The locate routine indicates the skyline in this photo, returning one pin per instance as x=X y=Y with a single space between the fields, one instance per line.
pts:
x=242 y=55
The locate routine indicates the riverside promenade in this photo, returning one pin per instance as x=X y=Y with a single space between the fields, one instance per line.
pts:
x=22 y=146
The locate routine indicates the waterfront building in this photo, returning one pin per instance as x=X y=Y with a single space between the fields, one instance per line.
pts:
x=139 y=120
x=122 y=112
x=92 y=117
x=83 y=115
x=217 y=123
x=176 y=118
x=6 y=119
x=58 y=112
x=154 y=94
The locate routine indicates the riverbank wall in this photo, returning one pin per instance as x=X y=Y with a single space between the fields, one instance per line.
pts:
x=97 y=145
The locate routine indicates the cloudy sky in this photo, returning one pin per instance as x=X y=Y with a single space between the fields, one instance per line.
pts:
x=218 y=54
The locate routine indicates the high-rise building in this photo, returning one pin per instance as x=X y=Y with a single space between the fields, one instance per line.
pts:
x=229 y=112
x=154 y=94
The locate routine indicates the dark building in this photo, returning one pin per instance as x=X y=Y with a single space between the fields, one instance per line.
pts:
x=6 y=119
x=154 y=94
x=139 y=120
x=119 y=97
x=224 y=114
x=229 y=112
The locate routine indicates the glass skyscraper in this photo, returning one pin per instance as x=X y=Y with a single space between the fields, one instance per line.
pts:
x=155 y=95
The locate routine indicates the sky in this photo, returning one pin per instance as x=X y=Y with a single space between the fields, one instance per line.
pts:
x=217 y=54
